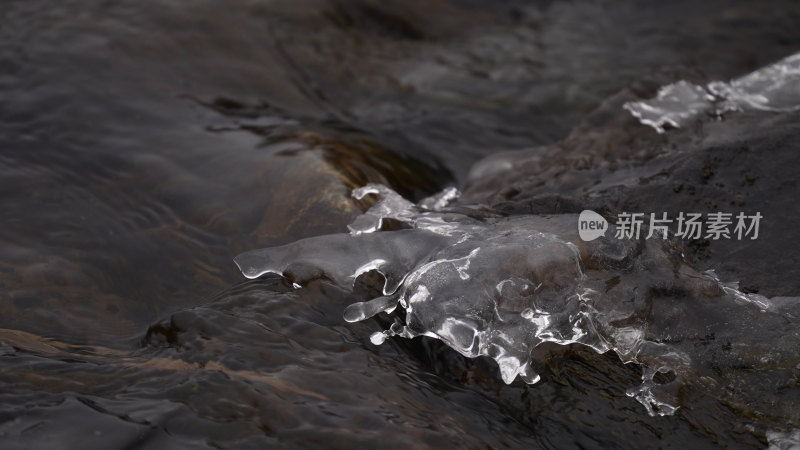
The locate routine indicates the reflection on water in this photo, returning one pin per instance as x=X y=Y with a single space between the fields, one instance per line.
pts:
x=142 y=146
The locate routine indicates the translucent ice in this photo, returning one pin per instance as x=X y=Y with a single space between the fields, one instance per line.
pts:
x=673 y=105
x=499 y=287
x=783 y=441
x=772 y=88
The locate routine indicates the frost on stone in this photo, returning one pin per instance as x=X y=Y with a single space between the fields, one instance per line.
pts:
x=500 y=287
x=772 y=88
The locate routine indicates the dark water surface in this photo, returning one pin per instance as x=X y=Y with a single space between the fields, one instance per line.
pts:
x=144 y=144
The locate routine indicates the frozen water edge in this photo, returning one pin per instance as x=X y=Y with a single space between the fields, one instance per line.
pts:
x=499 y=287
x=783 y=441
x=772 y=88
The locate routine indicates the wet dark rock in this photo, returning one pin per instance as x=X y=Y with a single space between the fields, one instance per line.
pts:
x=710 y=166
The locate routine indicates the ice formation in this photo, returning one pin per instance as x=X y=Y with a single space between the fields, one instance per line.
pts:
x=499 y=287
x=772 y=88
x=783 y=440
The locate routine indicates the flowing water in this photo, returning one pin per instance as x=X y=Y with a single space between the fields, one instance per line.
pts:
x=144 y=145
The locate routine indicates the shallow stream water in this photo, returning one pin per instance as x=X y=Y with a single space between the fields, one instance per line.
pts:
x=143 y=145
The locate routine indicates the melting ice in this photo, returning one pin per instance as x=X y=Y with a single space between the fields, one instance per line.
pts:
x=499 y=287
x=772 y=88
